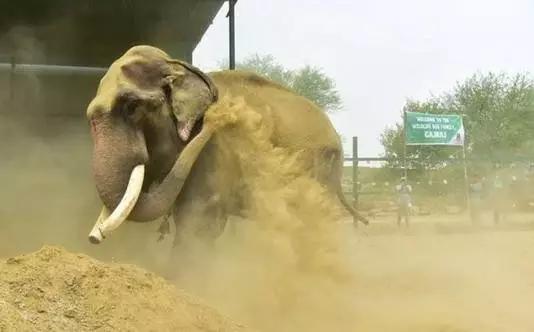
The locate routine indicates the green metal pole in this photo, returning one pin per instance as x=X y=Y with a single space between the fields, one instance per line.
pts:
x=404 y=161
x=355 y=189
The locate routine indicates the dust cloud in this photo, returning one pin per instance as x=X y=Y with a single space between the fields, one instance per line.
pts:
x=277 y=268
x=290 y=265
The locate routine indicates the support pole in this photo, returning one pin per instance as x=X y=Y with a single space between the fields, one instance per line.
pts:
x=12 y=83
x=355 y=180
x=466 y=179
x=231 y=21
x=404 y=160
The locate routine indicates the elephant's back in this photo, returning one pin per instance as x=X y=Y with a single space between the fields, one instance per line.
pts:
x=297 y=122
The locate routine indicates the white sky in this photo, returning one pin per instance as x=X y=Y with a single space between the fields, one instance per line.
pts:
x=380 y=52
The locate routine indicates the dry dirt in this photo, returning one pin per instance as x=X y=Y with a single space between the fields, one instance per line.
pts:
x=54 y=290
x=450 y=278
x=443 y=281
x=420 y=280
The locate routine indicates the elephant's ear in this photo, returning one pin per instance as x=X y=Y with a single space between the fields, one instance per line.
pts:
x=209 y=82
x=190 y=92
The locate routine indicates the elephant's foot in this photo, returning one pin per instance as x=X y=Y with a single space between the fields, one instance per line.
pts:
x=164 y=228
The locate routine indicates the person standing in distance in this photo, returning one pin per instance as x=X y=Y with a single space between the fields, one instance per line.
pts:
x=404 y=201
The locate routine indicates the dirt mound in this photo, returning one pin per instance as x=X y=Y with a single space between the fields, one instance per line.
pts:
x=53 y=289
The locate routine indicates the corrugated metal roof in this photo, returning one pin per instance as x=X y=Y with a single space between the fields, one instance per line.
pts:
x=93 y=33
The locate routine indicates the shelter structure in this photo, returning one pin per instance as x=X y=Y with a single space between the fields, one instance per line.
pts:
x=53 y=53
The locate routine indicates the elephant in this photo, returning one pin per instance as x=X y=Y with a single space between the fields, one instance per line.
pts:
x=154 y=148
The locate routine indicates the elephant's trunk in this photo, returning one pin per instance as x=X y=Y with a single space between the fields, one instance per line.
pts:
x=159 y=199
x=117 y=150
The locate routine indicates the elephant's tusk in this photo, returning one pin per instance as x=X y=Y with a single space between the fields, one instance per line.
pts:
x=96 y=236
x=107 y=223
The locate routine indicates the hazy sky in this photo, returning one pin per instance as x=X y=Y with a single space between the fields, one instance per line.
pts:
x=380 y=52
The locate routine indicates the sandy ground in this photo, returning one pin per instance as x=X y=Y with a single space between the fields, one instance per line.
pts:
x=444 y=276
x=440 y=276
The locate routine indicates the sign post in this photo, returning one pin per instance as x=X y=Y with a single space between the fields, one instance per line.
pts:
x=404 y=163
x=436 y=129
x=466 y=180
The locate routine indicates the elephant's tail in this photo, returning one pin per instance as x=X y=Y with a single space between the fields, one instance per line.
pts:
x=338 y=171
x=350 y=208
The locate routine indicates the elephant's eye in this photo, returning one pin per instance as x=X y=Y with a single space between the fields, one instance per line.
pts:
x=168 y=93
x=127 y=103
x=130 y=107
x=130 y=110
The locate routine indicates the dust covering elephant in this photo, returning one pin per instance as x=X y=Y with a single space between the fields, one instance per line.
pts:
x=157 y=153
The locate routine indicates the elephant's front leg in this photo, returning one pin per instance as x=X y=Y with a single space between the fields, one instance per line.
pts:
x=203 y=220
x=165 y=227
x=214 y=220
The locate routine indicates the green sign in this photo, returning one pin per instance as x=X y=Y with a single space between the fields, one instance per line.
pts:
x=434 y=129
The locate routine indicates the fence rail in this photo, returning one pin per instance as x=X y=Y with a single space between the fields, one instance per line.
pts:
x=452 y=160
x=50 y=69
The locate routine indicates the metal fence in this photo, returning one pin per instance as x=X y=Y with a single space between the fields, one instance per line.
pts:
x=371 y=182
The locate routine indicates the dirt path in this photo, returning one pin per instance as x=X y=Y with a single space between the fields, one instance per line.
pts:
x=471 y=281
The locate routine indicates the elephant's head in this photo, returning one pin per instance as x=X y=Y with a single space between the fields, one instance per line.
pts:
x=148 y=110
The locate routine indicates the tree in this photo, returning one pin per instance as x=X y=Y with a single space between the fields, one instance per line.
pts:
x=308 y=81
x=498 y=115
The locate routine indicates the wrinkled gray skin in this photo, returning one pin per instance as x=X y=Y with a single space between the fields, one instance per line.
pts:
x=140 y=115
